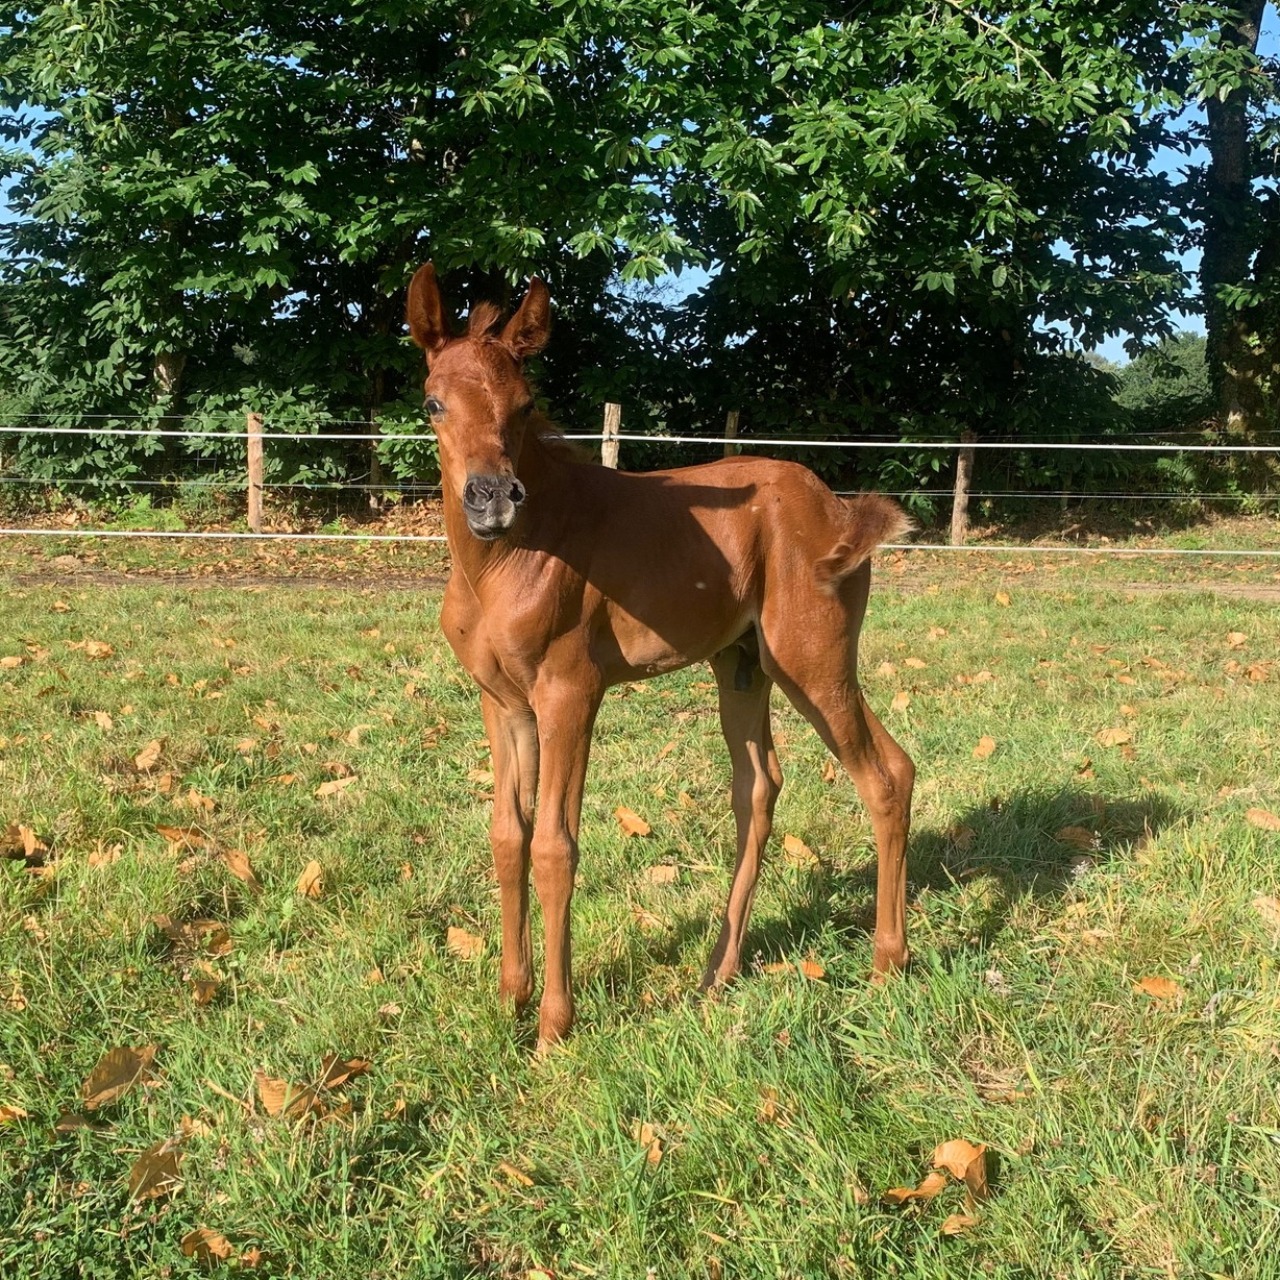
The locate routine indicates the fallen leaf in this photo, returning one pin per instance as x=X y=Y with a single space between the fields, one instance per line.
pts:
x=797 y=853
x=464 y=945
x=12 y=661
x=647 y=1136
x=204 y=988
x=206 y=1246
x=103 y=855
x=957 y=1223
x=886 y=669
x=1268 y=909
x=96 y=649
x=966 y=1163
x=156 y=1172
x=1159 y=988
x=662 y=873
x=117 y=1071
x=901 y=701
x=333 y=786
x=311 y=881
x=237 y=862
x=812 y=970
x=10 y=1111
x=512 y=1174
x=185 y=837
x=146 y=759
x=631 y=822
x=646 y=919
x=829 y=773
x=986 y=746
x=70 y=1121
x=768 y=1111
x=916 y=664
x=1236 y=639
x=246 y=746
x=335 y=1071
x=930 y=1185
x=103 y=721
x=1263 y=819
x=1002 y=598
x=961 y=836
x=1113 y=737
x=280 y=1098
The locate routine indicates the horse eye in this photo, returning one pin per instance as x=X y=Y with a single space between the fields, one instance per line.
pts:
x=434 y=407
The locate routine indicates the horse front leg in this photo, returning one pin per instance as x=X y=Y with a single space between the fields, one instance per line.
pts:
x=513 y=742
x=566 y=715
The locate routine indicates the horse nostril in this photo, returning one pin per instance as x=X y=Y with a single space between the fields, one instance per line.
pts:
x=471 y=494
x=517 y=492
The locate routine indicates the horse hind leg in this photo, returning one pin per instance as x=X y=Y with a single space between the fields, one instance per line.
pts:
x=816 y=669
x=757 y=780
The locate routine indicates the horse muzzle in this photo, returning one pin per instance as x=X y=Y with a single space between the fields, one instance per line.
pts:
x=490 y=504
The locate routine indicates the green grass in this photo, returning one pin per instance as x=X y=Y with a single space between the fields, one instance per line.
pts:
x=1129 y=1136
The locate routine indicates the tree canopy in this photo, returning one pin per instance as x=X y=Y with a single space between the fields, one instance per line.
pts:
x=905 y=210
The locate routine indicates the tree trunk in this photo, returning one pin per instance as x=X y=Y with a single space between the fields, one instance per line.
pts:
x=1230 y=240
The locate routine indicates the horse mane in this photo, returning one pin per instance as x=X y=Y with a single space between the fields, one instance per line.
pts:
x=483 y=319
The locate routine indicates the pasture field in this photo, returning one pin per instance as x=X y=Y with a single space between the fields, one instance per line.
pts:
x=245 y=825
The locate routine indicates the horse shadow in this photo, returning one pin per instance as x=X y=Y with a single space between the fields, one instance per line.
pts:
x=1036 y=842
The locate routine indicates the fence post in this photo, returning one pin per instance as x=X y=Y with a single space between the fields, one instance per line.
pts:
x=731 y=446
x=609 y=436
x=253 y=425
x=960 y=503
x=375 y=463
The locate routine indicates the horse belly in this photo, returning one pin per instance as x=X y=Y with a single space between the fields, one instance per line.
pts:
x=684 y=630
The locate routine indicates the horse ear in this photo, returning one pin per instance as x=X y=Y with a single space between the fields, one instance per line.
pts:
x=425 y=311
x=526 y=333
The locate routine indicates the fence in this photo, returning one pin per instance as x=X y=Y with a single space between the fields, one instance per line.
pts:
x=258 y=439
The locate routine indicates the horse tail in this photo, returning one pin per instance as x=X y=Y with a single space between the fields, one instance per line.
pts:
x=870 y=520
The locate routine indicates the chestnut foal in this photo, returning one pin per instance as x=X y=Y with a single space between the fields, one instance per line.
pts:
x=569 y=577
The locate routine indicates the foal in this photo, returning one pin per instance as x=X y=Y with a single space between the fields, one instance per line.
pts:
x=569 y=577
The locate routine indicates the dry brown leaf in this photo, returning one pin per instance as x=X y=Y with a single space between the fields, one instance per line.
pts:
x=1113 y=737
x=311 y=881
x=207 y=1246
x=464 y=945
x=886 y=669
x=156 y=1171
x=96 y=649
x=280 y=1098
x=957 y=1223
x=797 y=853
x=1236 y=639
x=10 y=1111
x=1264 y=819
x=1077 y=837
x=11 y=661
x=333 y=786
x=768 y=1111
x=1002 y=599
x=778 y=966
x=512 y=1174
x=1159 y=988
x=185 y=837
x=237 y=862
x=204 y=988
x=117 y=1071
x=812 y=970
x=930 y=1185
x=631 y=822
x=986 y=746
x=70 y=1121
x=647 y=1136
x=901 y=701
x=335 y=1071
x=916 y=664
x=662 y=873
x=966 y=1162
x=961 y=836
x=1268 y=909
x=103 y=721
x=146 y=759
x=646 y=919
x=829 y=773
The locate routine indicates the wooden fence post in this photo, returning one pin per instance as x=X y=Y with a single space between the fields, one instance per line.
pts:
x=609 y=436
x=253 y=425
x=375 y=463
x=731 y=446
x=960 y=502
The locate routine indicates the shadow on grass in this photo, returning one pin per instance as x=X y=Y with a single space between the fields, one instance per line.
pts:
x=1030 y=843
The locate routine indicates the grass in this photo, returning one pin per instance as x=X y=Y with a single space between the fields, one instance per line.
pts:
x=1128 y=1135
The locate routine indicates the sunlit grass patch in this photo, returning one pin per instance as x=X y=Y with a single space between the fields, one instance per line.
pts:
x=1094 y=995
